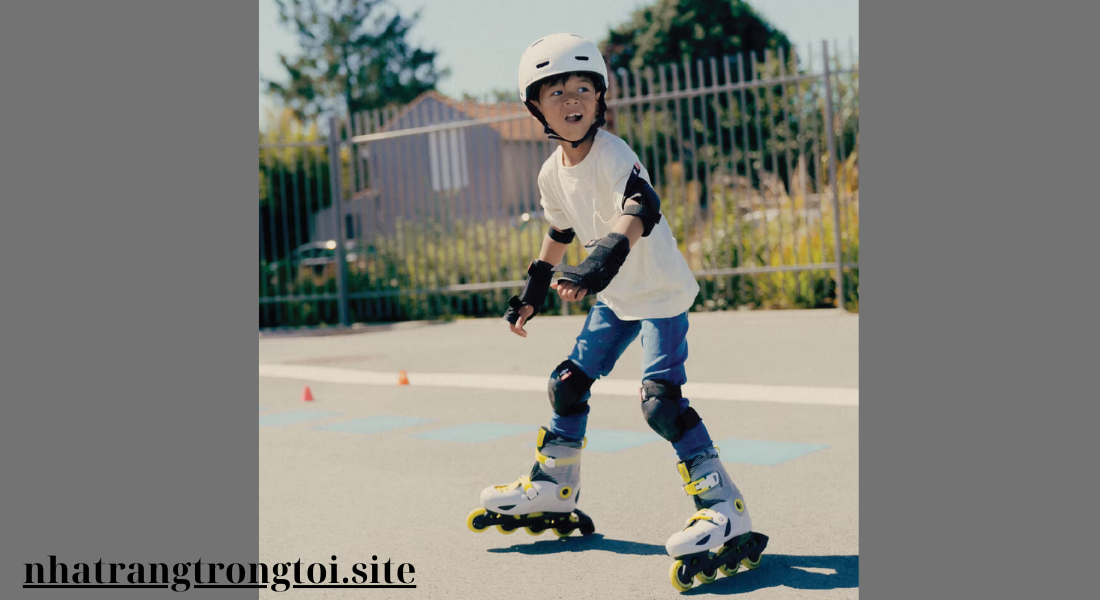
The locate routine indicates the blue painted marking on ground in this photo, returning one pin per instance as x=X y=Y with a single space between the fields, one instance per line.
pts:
x=763 y=452
x=614 y=441
x=294 y=417
x=473 y=433
x=376 y=424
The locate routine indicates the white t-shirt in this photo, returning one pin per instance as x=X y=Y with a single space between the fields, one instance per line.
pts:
x=655 y=282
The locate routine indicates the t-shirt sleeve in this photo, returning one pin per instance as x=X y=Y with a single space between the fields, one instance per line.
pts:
x=551 y=208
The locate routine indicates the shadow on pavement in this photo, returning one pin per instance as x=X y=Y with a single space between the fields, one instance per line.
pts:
x=787 y=571
x=595 y=542
x=777 y=570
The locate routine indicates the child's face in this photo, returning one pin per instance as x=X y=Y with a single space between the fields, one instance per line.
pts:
x=569 y=108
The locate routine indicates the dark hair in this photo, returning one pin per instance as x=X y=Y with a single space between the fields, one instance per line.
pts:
x=534 y=89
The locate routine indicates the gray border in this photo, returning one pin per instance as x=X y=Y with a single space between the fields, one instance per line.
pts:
x=128 y=429
x=966 y=284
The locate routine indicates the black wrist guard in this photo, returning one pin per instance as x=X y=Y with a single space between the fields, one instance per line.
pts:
x=534 y=291
x=596 y=272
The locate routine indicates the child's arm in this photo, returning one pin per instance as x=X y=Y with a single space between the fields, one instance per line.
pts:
x=524 y=307
x=641 y=212
x=628 y=225
x=552 y=252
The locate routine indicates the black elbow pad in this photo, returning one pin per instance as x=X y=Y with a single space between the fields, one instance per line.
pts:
x=649 y=203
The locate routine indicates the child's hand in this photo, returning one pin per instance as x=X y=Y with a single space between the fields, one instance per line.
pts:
x=525 y=313
x=569 y=292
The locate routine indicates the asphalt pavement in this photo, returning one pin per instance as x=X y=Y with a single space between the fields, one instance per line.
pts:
x=371 y=471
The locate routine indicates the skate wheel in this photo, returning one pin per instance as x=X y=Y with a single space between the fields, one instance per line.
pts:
x=730 y=570
x=473 y=517
x=562 y=534
x=749 y=564
x=531 y=531
x=504 y=531
x=705 y=579
x=674 y=576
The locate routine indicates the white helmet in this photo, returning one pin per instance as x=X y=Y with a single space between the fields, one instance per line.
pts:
x=556 y=54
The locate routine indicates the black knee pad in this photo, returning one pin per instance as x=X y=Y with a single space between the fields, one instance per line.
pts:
x=568 y=385
x=661 y=406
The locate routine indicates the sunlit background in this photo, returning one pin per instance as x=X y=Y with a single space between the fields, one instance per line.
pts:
x=408 y=113
x=480 y=40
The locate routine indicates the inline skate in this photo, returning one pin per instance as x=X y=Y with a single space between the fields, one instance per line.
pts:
x=545 y=500
x=719 y=537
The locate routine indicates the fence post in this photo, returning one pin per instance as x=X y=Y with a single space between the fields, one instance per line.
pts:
x=337 y=206
x=841 y=289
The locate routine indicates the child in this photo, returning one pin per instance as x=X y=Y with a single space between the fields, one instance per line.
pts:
x=595 y=186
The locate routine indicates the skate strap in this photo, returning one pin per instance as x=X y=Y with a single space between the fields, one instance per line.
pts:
x=528 y=488
x=712 y=480
x=524 y=482
x=556 y=462
x=708 y=515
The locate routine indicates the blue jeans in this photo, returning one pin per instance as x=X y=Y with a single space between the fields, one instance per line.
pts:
x=664 y=344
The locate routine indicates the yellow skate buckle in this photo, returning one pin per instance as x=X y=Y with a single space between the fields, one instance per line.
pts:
x=528 y=488
x=708 y=515
x=699 y=486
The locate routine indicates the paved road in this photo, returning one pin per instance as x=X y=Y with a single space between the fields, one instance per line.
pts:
x=377 y=470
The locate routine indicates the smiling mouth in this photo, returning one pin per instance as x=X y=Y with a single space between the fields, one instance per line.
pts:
x=573 y=118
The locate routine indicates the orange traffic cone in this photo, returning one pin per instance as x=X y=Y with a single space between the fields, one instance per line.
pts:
x=307 y=396
x=402 y=378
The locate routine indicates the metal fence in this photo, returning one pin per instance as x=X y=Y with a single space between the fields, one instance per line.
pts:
x=755 y=159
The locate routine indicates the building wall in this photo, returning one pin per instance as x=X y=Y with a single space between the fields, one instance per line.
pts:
x=440 y=177
x=520 y=174
x=427 y=178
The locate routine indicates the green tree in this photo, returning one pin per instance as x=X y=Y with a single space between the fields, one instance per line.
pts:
x=355 y=56
x=293 y=183
x=677 y=34
x=675 y=31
